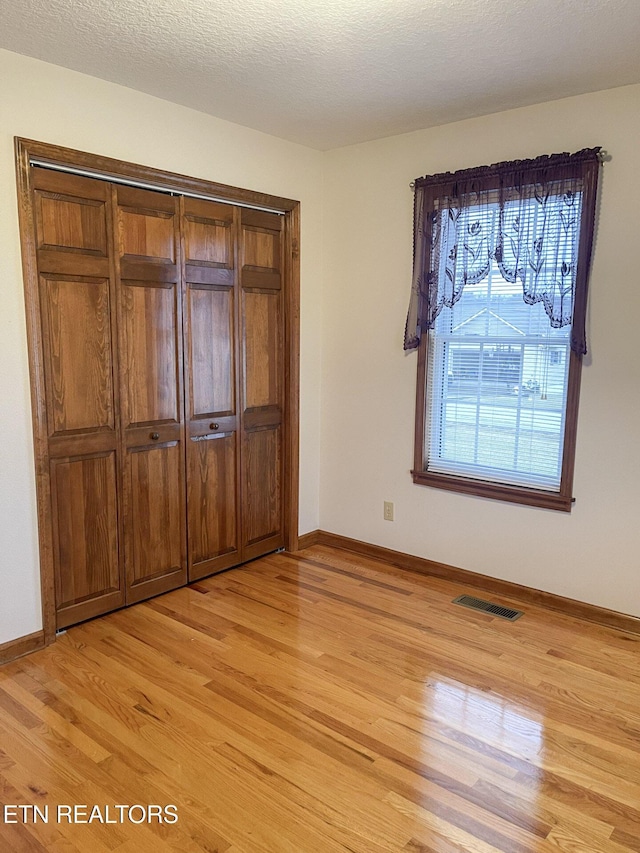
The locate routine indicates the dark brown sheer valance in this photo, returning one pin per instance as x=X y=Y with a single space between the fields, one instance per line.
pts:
x=533 y=218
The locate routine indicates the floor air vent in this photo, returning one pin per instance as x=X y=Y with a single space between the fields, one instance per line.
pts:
x=488 y=607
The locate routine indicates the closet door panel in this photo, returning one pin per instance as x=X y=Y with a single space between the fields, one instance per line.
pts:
x=212 y=477
x=146 y=226
x=150 y=353
x=71 y=213
x=154 y=551
x=78 y=354
x=150 y=322
x=78 y=339
x=262 y=350
x=147 y=235
x=263 y=499
x=212 y=387
x=212 y=350
x=209 y=234
x=262 y=382
x=71 y=224
x=85 y=516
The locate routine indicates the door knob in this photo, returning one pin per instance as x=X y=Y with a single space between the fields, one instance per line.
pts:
x=154 y=436
x=214 y=426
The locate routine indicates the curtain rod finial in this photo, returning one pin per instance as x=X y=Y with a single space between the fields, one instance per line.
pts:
x=604 y=156
x=412 y=186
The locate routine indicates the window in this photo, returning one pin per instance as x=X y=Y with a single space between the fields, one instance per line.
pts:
x=495 y=402
x=500 y=272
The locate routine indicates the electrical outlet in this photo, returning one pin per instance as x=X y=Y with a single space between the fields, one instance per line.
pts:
x=388 y=511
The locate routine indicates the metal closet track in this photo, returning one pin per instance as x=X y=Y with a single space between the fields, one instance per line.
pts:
x=167 y=190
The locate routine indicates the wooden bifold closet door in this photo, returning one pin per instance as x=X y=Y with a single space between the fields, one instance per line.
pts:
x=149 y=309
x=79 y=348
x=162 y=341
x=213 y=385
x=262 y=381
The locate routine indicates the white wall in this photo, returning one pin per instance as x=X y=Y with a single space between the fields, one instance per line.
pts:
x=592 y=554
x=51 y=104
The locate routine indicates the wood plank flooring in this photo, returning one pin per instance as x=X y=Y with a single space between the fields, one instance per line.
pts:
x=320 y=703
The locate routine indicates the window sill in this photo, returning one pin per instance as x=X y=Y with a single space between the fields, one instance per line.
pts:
x=496 y=491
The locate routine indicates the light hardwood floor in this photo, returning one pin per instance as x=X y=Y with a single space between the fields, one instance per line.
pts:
x=321 y=703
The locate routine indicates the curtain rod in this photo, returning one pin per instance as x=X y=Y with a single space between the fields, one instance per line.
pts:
x=603 y=157
x=54 y=167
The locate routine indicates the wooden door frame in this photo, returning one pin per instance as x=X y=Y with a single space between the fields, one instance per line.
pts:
x=109 y=168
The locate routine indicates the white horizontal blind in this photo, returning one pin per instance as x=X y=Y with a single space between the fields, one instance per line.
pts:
x=497 y=388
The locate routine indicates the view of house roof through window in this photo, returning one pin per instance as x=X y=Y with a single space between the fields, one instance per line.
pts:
x=497 y=388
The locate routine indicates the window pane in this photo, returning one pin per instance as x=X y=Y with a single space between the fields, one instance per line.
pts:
x=497 y=388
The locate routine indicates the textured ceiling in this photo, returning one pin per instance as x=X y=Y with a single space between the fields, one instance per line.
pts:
x=327 y=73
